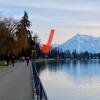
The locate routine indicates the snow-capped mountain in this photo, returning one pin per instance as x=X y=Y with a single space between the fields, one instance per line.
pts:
x=82 y=43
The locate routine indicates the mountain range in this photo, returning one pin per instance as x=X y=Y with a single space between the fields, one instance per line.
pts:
x=82 y=43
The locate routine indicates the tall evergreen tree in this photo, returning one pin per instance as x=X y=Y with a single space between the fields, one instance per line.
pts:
x=25 y=21
x=23 y=33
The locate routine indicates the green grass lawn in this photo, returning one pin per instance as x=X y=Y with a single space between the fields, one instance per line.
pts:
x=2 y=64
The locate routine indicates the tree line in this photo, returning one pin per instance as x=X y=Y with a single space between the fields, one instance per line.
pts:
x=16 y=38
x=59 y=54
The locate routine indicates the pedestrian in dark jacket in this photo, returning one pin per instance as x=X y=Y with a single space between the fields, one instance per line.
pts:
x=7 y=59
x=13 y=60
x=27 y=60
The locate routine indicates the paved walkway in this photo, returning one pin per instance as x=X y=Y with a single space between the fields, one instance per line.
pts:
x=16 y=82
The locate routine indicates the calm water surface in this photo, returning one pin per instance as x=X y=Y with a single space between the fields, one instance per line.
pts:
x=71 y=79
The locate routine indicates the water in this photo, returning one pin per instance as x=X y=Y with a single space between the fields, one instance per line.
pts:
x=71 y=79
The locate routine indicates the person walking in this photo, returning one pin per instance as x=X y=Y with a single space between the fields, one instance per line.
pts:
x=21 y=58
x=27 y=60
x=12 y=60
x=7 y=59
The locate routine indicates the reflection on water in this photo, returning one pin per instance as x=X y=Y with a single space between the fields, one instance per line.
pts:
x=71 y=79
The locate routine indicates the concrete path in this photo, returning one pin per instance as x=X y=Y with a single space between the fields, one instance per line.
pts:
x=16 y=82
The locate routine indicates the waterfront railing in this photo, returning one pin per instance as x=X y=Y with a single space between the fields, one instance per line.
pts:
x=38 y=89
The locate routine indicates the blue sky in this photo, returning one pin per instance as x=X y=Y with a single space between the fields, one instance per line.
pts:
x=67 y=17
